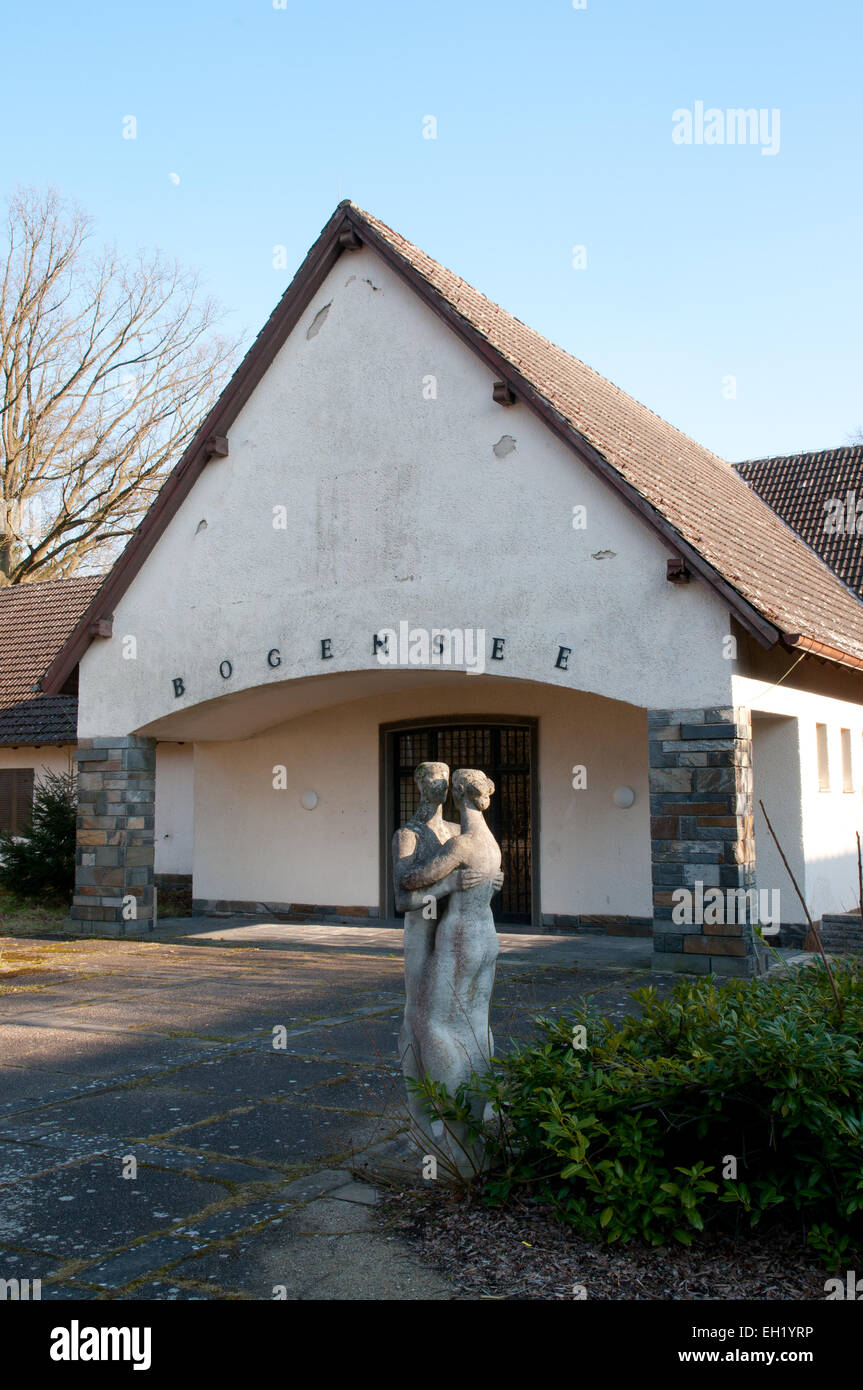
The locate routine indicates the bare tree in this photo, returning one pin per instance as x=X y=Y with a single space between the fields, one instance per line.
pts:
x=106 y=368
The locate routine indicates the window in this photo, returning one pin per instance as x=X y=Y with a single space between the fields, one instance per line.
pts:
x=16 y=798
x=823 y=758
x=847 y=771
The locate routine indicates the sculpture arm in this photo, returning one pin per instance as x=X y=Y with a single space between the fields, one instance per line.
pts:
x=413 y=901
x=404 y=848
x=443 y=863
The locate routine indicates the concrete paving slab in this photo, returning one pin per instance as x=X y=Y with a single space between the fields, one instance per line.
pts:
x=257 y=1072
x=226 y=1171
x=77 y=1052
x=89 y=1209
x=52 y=1293
x=138 y=1260
x=23 y=1085
x=372 y=1090
x=322 y=1180
x=162 y=1290
x=358 y=1192
x=140 y=1110
x=22 y=1161
x=285 y=1133
x=366 y=1040
x=233 y=1220
x=17 y=1264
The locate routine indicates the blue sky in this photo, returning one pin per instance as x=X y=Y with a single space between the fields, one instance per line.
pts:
x=554 y=130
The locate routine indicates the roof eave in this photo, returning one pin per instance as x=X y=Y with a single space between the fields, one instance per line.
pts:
x=796 y=641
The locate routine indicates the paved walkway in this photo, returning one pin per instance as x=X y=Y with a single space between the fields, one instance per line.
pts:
x=586 y=950
x=157 y=1059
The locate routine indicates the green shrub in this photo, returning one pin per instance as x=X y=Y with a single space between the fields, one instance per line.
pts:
x=42 y=861
x=630 y=1136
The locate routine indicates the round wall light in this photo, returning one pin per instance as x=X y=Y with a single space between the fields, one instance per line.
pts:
x=309 y=800
x=623 y=797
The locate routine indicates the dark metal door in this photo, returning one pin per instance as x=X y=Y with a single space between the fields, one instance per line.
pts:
x=504 y=752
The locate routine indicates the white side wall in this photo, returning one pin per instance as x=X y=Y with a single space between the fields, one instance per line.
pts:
x=256 y=843
x=777 y=782
x=828 y=819
x=55 y=759
x=175 y=808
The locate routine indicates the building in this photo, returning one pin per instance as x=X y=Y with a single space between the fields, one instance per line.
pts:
x=413 y=528
x=37 y=731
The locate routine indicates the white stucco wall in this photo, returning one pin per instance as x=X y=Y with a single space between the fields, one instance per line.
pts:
x=175 y=808
x=398 y=509
x=43 y=756
x=777 y=782
x=828 y=819
x=256 y=843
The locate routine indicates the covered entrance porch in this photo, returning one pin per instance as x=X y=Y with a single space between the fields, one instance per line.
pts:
x=603 y=809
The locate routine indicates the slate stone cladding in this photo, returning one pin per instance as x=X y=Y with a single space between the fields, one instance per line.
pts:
x=116 y=821
x=841 y=932
x=701 y=830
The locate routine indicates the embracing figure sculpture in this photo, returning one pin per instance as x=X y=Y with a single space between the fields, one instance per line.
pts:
x=413 y=846
x=449 y=963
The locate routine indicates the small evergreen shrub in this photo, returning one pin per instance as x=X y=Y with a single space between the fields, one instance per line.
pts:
x=638 y=1133
x=41 y=862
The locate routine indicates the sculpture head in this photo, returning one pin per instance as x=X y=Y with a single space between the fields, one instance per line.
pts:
x=471 y=786
x=432 y=781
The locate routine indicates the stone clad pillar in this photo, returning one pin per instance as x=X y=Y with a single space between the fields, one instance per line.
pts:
x=701 y=832
x=116 y=821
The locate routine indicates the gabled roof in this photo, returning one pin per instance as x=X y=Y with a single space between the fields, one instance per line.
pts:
x=799 y=487
x=695 y=500
x=35 y=622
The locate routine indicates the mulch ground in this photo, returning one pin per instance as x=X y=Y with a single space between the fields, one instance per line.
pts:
x=522 y=1252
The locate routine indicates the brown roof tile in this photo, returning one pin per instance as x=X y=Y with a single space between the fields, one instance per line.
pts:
x=799 y=486
x=35 y=621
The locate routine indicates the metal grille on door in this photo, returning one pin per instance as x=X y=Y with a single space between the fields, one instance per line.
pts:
x=504 y=754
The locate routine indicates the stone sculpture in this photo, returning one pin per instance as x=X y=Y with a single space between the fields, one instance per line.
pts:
x=413 y=846
x=449 y=962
